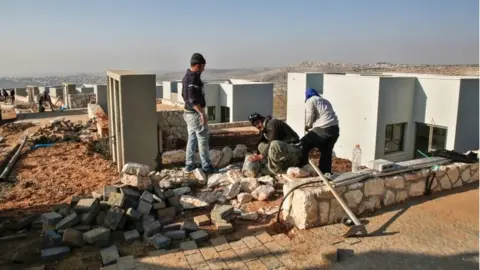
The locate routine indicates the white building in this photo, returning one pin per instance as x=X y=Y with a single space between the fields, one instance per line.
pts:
x=228 y=101
x=391 y=116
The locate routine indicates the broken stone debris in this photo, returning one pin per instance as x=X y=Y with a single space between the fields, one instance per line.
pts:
x=151 y=210
x=263 y=192
x=296 y=172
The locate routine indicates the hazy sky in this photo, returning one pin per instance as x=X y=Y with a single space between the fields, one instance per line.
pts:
x=52 y=36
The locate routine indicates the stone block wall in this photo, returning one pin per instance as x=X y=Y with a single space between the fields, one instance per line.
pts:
x=314 y=205
x=76 y=101
x=172 y=127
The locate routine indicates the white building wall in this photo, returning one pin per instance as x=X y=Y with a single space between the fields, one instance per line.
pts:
x=212 y=97
x=225 y=99
x=467 y=135
x=297 y=84
x=250 y=98
x=355 y=101
x=436 y=103
x=395 y=106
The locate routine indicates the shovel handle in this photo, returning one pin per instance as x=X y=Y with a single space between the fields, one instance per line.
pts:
x=334 y=192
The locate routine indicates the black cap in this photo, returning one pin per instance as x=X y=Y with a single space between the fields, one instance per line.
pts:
x=197 y=59
x=254 y=117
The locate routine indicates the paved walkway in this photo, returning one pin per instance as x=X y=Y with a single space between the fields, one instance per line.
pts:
x=439 y=232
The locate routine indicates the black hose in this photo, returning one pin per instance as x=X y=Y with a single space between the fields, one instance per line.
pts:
x=288 y=193
x=428 y=185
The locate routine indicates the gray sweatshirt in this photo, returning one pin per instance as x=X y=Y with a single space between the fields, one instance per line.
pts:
x=319 y=113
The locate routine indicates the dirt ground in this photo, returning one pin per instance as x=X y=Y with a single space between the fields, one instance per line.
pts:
x=49 y=176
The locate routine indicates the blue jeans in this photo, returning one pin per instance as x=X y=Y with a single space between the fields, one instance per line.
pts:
x=197 y=134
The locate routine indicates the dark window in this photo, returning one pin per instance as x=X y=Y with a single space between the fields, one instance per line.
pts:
x=429 y=138
x=394 y=137
x=224 y=114
x=211 y=113
x=439 y=138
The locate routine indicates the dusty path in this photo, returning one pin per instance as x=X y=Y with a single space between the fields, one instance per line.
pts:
x=441 y=233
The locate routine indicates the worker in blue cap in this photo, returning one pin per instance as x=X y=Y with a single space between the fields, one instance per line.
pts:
x=321 y=122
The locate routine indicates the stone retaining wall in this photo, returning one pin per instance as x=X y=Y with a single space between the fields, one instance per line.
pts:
x=314 y=205
x=173 y=128
x=76 y=101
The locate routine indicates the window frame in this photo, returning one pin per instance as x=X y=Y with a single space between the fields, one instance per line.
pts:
x=390 y=138
x=211 y=117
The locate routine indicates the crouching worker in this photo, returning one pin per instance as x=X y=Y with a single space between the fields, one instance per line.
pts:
x=277 y=144
x=321 y=120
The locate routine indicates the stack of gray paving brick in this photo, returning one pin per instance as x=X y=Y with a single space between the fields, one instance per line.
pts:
x=149 y=214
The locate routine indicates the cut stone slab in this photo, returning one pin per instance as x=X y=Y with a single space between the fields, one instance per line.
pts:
x=174 y=201
x=224 y=227
x=240 y=151
x=51 y=239
x=141 y=182
x=86 y=205
x=202 y=220
x=63 y=209
x=217 y=179
x=190 y=202
x=130 y=191
x=144 y=207
x=68 y=221
x=100 y=217
x=189 y=226
x=88 y=217
x=116 y=199
x=113 y=217
x=267 y=180
x=221 y=212
x=200 y=175
x=151 y=228
x=109 y=189
x=226 y=157
x=54 y=254
x=82 y=228
x=147 y=196
x=159 y=205
x=159 y=241
x=131 y=236
x=72 y=238
x=51 y=218
x=263 y=192
x=374 y=187
x=249 y=184
x=176 y=234
x=169 y=211
x=136 y=169
x=109 y=255
x=133 y=214
x=199 y=236
x=234 y=175
x=172 y=227
x=249 y=216
x=182 y=191
x=244 y=198
x=232 y=190
x=96 y=235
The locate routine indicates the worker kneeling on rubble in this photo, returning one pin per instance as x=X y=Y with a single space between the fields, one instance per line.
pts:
x=321 y=122
x=277 y=144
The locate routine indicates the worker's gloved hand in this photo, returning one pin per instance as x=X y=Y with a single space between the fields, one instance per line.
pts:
x=307 y=128
x=255 y=157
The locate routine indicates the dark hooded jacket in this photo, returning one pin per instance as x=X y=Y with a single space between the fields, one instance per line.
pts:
x=277 y=130
x=192 y=90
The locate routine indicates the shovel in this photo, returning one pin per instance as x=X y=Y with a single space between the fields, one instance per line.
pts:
x=358 y=229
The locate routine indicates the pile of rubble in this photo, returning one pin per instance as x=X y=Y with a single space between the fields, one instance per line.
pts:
x=148 y=205
x=65 y=130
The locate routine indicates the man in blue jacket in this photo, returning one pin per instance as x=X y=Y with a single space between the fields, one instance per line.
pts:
x=194 y=115
x=322 y=124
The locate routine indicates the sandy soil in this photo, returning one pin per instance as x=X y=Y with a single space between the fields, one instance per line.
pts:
x=49 y=176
